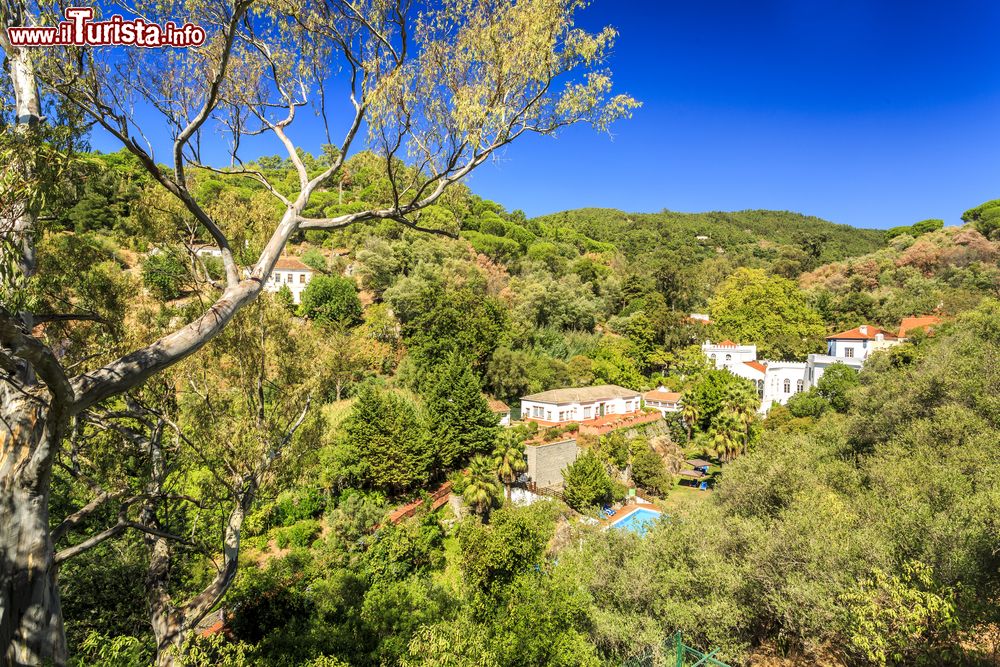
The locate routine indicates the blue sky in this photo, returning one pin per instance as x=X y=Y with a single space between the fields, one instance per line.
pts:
x=872 y=113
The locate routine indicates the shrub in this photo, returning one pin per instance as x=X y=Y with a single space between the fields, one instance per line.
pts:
x=165 y=273
x=331 y=299
x=587 y=483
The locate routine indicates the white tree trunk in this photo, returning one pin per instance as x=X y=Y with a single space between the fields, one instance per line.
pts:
x=31 y=629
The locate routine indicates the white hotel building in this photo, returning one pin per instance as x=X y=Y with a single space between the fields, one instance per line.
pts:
x=777 y=381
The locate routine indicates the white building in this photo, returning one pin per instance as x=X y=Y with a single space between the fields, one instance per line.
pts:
x=859 y=342
x=778 y=381
x=291 y=273
x=500 y=409
x=783 y=380
x=818 y=363
x=559 y=406
x=663 y=400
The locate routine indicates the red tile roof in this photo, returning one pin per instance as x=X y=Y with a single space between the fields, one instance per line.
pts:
x=727 y=343
x=913 y=323
x=657 y=395
x=756 y=365
x=497 y=405
x=870 y=333
x=286 y=263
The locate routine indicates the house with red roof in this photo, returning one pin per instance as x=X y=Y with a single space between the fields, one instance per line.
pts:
x=291 y=273
x=500 y=409
x=663 y=400
x=860 y=342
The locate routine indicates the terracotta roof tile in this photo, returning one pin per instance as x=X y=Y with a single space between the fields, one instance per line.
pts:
x=913 y=323
x=286 y=263
x=756 y=365
x=497 y=405
x=657 y=395
x=870 y=333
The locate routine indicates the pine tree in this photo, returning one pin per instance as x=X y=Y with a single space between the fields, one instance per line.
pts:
x=389 y=439
x=461 y=422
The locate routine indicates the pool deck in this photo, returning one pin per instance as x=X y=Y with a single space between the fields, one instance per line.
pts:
x=629 y=509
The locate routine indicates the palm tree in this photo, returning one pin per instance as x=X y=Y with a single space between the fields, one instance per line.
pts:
x=483 y=488
x=742 y=401
x=508 y=458
x=726 y=435
x=690 y=413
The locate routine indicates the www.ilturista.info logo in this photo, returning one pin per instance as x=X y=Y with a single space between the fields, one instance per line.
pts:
x=80 y=30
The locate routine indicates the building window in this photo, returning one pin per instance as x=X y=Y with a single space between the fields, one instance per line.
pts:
x=729 y=357
x=799 y=385
x=788 y=386
x=713 y=357
x=302 y=279
x=536 y=411
x=548 y=415
x=586 y=412
x=760 y=387
x=849 y=352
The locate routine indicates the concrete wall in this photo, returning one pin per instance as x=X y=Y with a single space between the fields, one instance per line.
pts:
x=547 y=461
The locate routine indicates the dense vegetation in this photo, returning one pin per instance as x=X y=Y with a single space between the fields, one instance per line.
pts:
x=858 y=524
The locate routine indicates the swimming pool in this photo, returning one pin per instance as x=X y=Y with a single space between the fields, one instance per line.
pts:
x=637 y=521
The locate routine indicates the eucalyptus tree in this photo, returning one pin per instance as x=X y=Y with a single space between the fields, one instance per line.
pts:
x=443 y=89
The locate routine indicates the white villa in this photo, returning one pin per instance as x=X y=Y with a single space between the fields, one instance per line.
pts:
x=859 y=342
x=663 y=400
x=777 y=381
x=559 y=406
x=292 y=273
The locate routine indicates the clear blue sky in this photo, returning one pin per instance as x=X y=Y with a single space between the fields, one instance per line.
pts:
x=867 y=112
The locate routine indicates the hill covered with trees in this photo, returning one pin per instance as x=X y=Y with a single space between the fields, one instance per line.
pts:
x=394 y=348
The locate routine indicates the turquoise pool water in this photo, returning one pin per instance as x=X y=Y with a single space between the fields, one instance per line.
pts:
x=638 y=521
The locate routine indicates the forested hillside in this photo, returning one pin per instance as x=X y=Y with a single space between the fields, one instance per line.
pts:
x=830 y=519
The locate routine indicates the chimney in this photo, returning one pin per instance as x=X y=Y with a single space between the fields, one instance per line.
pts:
x=863 y=329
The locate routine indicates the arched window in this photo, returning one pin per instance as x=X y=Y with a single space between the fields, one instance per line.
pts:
x=729 y=357
x=713 y=356
x=799 y=385
x=788 y=386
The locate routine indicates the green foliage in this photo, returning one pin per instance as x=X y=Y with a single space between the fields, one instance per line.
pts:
x=121 y=651
x=493 y=555
x=314 y=259
x=299 y=534
x=587 y=483
x=165 y=273
x=836 y=384
x=387 y=440
x=807 y=404
x=903 y=619
x=482 y=488
x=648 y=469
x=331 y=300
x=985 y=217
x=915 y=230
x=768 y=311
x=460 y=420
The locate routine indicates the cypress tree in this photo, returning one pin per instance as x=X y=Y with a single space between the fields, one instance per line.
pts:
x=389 y=439
x=461 y=422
